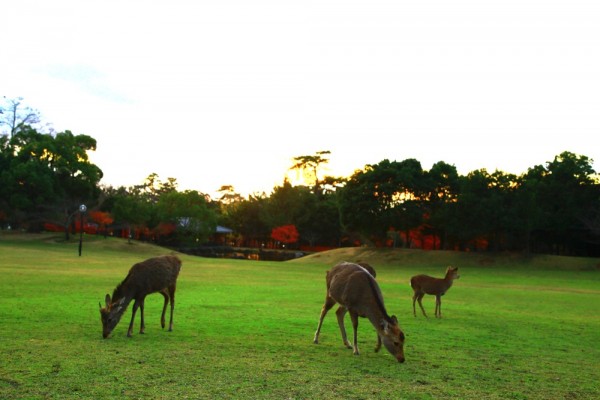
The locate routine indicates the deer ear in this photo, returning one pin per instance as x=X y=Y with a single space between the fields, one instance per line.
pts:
x=394 y=319
x=107 y=300
x=384 y=325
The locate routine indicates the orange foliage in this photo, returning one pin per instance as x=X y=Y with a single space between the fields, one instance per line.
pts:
x=101 y=217
x=285 y=234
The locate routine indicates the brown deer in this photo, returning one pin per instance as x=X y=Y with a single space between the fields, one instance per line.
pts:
x=157 y=274
x=425 y=284
x=357 y=292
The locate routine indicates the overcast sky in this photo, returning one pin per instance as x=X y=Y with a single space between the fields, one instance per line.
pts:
x=227 y=92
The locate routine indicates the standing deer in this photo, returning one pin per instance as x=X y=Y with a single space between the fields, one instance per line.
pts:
x=357 y=292
x=425 y=284
x=158 y=274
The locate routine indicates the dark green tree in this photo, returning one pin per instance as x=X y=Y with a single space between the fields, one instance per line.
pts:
x=530 y=219
x=76 y=177
x=287 y=205
x=382 y=196
x=46 y=177
x=566 y=193
x=245 y=218
x=190 y=211
x=468 y=217
x=441 y=191
x=411 y=192
x=321 y=226
x=130 y=210
x=361 y=206
x=501 y=205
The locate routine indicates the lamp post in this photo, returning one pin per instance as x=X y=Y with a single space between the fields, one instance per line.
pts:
x=82 y=210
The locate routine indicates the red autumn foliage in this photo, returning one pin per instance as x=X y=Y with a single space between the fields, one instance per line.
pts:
x=101 y=218
x=285 y=234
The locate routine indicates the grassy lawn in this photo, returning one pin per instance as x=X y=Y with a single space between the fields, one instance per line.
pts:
x=513 y=328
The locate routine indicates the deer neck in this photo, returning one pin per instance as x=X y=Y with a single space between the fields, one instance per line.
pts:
x=119 y=306
x=376 y=318
x=123 y=292
x=121 y=297
x=377 y=312
x=448 y=281
x=123 y=300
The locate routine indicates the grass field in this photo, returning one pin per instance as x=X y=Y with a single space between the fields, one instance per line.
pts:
x=513 y=328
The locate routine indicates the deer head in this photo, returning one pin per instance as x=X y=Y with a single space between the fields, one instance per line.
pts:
x=110 y=315
x=393 y=338
x=452 y=272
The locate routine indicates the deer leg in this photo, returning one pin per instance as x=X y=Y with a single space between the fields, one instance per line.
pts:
x=438 y=306
x=354 y=317
x=172 y=295
x=340 y=313
x=142 y=324
x=419 y=298
x=134 y=309
x=378 y=346
x=162 y=316
x=329 y=302
x=414 y=301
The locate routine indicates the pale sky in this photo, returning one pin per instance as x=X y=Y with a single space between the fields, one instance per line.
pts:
x=225 y=92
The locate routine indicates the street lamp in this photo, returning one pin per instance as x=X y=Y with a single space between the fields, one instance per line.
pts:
x=82 y=210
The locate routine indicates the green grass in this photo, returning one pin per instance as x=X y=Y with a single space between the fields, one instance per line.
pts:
x=513 y=328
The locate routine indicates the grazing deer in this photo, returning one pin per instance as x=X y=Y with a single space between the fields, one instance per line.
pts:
x=425 y=284
x=357 y=292
x=158 y=274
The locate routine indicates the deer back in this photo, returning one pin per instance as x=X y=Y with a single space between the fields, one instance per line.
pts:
x=369 y=268
x=152 y=275
x=352 y=286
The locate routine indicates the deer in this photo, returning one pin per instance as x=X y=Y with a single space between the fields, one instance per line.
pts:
x=425 y=284
x=357 y=292
x=342 y=310
x=157 y=274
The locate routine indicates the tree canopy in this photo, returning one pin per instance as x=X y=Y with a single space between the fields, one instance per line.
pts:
x=46 y=177
x=551 y=208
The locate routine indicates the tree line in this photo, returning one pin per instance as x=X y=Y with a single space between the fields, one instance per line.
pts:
x=552 y=208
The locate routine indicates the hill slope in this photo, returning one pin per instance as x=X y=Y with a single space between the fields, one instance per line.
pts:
x=423 y=258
